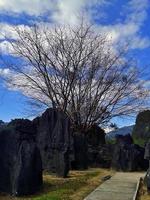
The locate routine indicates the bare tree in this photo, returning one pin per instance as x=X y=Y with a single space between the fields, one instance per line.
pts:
x=77 y=71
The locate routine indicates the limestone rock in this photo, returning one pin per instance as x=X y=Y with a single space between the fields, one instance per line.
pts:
x=128 y=156
x=89 y=149
x=100 y=156
x=54 y=139
x=80 y=161
x=95 y=136
x=147 y=156
x=27 y=169
x=20 y=162
x=142 y=127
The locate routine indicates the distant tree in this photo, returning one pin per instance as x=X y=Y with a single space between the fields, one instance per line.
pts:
x=76 y=70
x=1 y=123
x=114 y=126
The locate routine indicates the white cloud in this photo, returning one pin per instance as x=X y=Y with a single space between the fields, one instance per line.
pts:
x=140 y=43
x=129 y=31
x=5 y=47
x=7 y=31
x=118 y=31
x=31 y=7
x=69 y=11
x=137 y=10
x=4 y=72
x=61 y=11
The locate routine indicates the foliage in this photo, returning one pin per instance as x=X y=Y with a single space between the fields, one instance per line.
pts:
x=140 y=141
x=111 y=141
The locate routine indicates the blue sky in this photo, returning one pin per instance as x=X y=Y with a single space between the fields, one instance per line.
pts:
x=124 y=20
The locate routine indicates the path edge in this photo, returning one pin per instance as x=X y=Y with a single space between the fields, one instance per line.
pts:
x=137 y=189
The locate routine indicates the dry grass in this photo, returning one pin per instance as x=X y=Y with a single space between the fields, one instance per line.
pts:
x=77 y=186
x=143 y=194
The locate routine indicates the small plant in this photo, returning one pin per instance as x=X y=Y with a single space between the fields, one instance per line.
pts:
x=111 y=141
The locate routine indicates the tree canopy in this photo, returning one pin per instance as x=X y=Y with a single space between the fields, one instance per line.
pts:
x=77 y=70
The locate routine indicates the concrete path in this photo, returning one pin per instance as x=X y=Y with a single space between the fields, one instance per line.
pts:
x=122 y=186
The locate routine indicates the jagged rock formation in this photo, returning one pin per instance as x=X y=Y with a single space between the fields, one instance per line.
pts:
x=100 y=156
x=95 y=136
x=54 y=139
x=90 y=149
x=99 y=153
x=142 y=127
x=128 y=156
x=147 y=157
x=80 y=160
x=28 y=169
x=27 y=145
x=47 y=143
x=20 y=161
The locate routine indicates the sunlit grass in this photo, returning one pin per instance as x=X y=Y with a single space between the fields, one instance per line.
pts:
x=77 y=186
x=143 y=194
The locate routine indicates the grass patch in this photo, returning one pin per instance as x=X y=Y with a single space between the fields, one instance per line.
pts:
x=77 y=186
x=142 y=193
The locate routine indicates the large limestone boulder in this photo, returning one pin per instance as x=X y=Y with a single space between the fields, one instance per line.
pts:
x=142 y=127
x=80 y=161
x=95 y=136
x=89 y=149
x=100 y=156
x=27 y=169
x=7 y=157
x=20 y=161
x=54 y=139
x=128 y=156
x=99 y=153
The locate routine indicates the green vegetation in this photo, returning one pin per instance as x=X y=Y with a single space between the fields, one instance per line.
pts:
x=111 y=141
x=140 y=141
x=78 y=185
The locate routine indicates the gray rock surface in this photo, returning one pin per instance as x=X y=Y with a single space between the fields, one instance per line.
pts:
x=54 y=139
x=99 y=153
x=128 y=156
x=27 y=169
x=100 y=156
x=147 y=156
x=90 y=149
x=142 y=127
x=20 y=161
x=80 y=161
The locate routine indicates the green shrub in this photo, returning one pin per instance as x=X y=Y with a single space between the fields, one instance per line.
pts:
x=140 y=141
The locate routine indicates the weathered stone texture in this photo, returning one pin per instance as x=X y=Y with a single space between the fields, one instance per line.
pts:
x=128 y=156
x=20 y=161
x=142 y=126
x=147 y=156
x=54 y=139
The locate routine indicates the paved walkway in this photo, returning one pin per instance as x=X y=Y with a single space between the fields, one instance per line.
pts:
x=122 y=186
